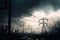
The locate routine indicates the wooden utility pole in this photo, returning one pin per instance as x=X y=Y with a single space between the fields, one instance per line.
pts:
x=31 y=29
x=23 y=29
x=9 y=16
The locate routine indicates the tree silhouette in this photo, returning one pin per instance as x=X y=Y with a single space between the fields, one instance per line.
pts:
x=3 y=29
x=16 y=31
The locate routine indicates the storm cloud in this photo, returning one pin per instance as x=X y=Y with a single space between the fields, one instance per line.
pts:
x=23 y=8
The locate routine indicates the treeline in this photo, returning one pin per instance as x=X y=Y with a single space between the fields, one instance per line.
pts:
x=3 y=29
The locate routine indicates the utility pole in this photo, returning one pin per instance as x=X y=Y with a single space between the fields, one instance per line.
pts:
x=9 y=17
x=31 y=29
x=23 y=28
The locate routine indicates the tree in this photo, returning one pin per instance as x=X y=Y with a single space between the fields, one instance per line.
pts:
x=3 y=29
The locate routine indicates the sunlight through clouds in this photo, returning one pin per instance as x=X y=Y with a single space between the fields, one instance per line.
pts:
x=33 y=22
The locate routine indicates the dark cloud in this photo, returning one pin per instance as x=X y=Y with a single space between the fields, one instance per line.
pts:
x=54 y=3
x=20 y=7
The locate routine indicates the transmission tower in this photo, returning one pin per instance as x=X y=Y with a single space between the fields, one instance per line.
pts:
x=44 y=24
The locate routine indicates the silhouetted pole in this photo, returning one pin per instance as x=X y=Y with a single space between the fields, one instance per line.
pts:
x=9 y=16
x=23 y=29
x=31 y=29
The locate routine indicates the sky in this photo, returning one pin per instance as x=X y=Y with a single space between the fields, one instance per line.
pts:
x=22 y=9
